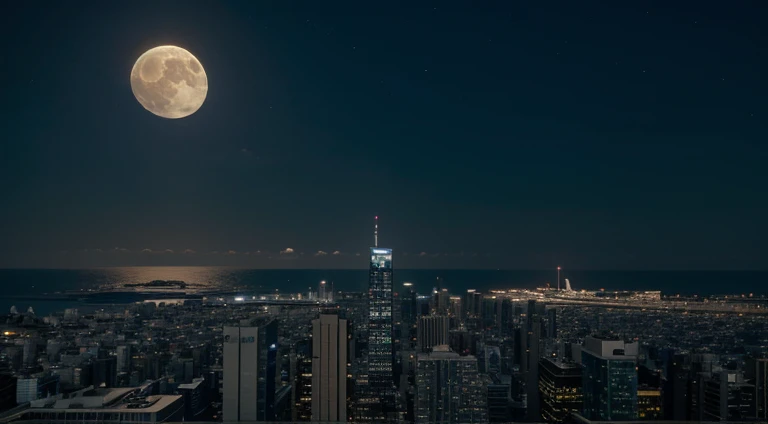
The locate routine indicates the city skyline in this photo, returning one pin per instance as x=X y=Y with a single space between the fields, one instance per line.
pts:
x=617 y=136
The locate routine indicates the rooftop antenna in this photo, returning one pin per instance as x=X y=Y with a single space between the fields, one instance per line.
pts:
x=376 y=232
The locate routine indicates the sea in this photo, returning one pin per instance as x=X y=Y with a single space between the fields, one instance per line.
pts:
x=15 y=282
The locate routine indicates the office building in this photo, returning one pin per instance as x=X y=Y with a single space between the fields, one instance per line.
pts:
x=726 y=396
x=250 y=372
x=456 y=308
x=499 y=399
x=432 y=331
x=449 y=389
x=757 y=374
x=105 y=372
x=127 y=405
x=195 y=395
x=35 y=387
x=649 y=403
x=559 y=389
x=609 y=379
x=123 y=358
x=301 y=378
x=329 y=369
x=530 y=339
x=380 y=348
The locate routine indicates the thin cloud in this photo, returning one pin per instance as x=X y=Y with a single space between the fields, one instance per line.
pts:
x=189 y=251
x=287 y=251
x=321 y=253
x=423 y=254
x=97 y=250
x=357 y=254
x=121 y=250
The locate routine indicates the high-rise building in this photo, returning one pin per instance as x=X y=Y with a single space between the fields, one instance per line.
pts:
x=609 y=373
x=559 y=389
x=380 y=352
x=301 y=376
x=432 y=331
x=123 y=358
x=757 y=374
x=649 y=403
x=250 y=367
x=455 y=308
x=105 y=372
x=726 y=396
x=449 y=389
x=530 y=339
x=498 y=400
x=329 y=369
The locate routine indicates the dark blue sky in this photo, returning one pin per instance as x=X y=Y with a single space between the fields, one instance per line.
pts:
x=624 y=135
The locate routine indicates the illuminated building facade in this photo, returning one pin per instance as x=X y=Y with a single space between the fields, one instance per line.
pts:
x=380 y=351
x=449 y=389
x=649 y=402
x=559 y=389
x=609 y=374
x=301 y=373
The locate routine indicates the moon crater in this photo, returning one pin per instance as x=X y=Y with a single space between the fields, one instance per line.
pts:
x=169 y=82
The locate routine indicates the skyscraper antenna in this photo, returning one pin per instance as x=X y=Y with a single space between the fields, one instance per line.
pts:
x=376 y=232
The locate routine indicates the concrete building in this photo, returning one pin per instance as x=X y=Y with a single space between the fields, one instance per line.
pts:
x=449 y=389
x=250 y=359
x=329 y=369
x=609 y=379
x=432 y=330
x=128 y=405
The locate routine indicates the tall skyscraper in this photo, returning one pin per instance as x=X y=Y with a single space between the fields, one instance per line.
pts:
x=609 y=374
x=380 y=352
x=530 y=338
x=301 y=377
x=757 y=373
x=250 y=367
x=329 y=369
x=449 y=389
x=432 y=331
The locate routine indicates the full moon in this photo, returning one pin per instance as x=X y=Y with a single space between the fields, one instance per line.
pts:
x=169 y=82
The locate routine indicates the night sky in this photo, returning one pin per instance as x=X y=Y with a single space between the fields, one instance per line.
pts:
x=595 y=135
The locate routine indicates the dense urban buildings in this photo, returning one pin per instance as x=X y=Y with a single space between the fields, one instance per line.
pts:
x=449 y=389
x=501 y=356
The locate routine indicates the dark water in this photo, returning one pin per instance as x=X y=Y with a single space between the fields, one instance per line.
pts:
x=38 y=281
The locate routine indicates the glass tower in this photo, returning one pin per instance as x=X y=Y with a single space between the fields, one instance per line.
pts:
x=380 y=353
x=609 y=380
